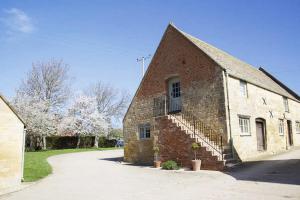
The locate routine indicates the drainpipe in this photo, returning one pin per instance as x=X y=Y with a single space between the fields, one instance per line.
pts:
x=228 y=111
x=23 y=154
x=285 y=132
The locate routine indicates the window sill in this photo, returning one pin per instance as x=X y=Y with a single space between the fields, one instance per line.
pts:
x=244 y=135
x=262 y=151
x=145 y=139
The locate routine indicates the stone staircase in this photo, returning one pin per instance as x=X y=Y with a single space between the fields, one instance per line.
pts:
x=214 y=152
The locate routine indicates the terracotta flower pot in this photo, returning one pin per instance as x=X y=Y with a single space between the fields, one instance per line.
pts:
x=196 y=165
x=157 y=164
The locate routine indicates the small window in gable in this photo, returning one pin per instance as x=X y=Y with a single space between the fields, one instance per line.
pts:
x=243 y=88
x=244 y=123
x=281 y=127
x=286 y=104
x=144 y=131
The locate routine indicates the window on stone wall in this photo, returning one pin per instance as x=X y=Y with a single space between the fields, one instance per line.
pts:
x=144 y=131
x=297 y=127
x=243 y=88
x=244 y=123
x=281 y=127
x=286 y=104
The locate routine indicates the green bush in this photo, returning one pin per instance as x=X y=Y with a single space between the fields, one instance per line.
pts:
x=170 y=165
x=104 y=142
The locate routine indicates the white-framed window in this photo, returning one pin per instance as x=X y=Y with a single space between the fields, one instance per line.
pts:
x=297 y=126
x=176 y=89
x=144 y=131
x=244 y=123
x=243 y=88
x=286 y=104
x=281 y=127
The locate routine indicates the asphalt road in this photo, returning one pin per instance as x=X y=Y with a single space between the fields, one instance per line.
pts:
x=100 y=175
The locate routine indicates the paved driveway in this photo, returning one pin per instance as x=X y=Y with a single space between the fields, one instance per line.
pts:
x=99 y=175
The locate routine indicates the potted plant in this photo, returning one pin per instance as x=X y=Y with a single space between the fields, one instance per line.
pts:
x=196 y=163
x=156 y=161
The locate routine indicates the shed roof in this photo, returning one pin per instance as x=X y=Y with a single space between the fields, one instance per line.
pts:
x=11 y=108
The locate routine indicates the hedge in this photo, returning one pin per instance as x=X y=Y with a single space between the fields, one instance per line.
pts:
x=70 y=142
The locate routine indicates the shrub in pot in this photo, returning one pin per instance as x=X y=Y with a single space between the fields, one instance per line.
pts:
x=170 y=165
x=196 y=163
x=157 y=162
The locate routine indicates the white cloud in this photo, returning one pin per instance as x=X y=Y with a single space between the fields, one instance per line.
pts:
x=16 y=21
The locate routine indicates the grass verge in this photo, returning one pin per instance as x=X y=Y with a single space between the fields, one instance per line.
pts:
x=36 y=166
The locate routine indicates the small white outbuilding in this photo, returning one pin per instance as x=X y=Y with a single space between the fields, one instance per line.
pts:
x=12 y=142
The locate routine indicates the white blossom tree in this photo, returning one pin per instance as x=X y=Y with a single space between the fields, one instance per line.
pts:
x=39 y=122
x=83 y=119
x=42 y=101
x=48 y=81
x=42 y=96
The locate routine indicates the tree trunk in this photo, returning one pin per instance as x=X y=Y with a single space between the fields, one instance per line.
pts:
x=44 y=142
x=37 y=142
x=96 y=144
x=78 y=142
x=31 y=143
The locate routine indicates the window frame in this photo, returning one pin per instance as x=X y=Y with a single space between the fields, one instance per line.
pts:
x=142 y=131
x=281 y=127
x=176 y=90
x=286 y=104
x=297 y=124
x=243 y=88
x=242 y=127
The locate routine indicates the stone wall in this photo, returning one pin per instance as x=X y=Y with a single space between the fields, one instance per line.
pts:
x=201 y=86
x=11 y=148
x=253 y=106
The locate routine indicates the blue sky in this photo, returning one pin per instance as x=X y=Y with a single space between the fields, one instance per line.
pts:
x=101 y=40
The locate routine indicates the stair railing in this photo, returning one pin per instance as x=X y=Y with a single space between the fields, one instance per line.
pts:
x=163 y=106
x=199 y=129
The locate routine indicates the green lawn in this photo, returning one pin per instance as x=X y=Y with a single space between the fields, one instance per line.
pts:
x=37 y=167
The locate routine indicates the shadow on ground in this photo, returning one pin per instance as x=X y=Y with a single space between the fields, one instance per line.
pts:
x=113 y=159
x=272 y=171
x=121 y=159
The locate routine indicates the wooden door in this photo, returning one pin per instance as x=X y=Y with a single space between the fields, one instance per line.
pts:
x=261 y=143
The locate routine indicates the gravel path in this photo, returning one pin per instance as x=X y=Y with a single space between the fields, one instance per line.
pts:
x=99 y=175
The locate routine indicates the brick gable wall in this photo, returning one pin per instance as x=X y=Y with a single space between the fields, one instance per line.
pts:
x=201 y=85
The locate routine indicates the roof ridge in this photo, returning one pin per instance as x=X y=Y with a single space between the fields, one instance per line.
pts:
x=279 y=83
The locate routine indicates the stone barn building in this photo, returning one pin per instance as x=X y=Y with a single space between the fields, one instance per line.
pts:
x=12 y=137
x=194 y=92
